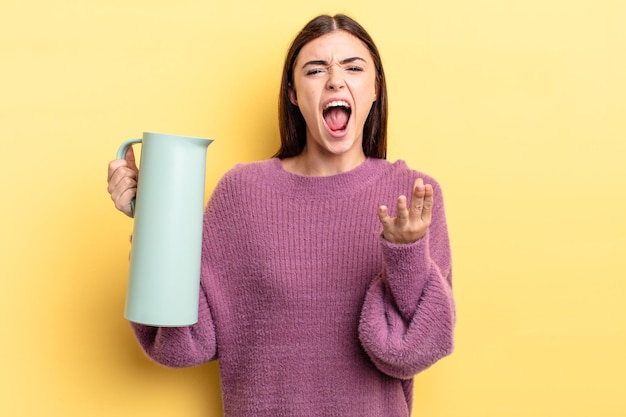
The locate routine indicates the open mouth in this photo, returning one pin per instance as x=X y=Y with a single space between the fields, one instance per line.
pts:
x=337 y=115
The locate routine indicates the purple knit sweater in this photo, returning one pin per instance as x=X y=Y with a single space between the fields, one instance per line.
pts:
x=308 y=309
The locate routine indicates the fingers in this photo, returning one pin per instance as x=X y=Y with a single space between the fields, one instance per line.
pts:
x=383 y=216
x=123 y=200
x=402 y=211
x=422 y=201
x=429 y=201
x=388 y=223
x=122 y=184
x=113 y=166
x=120 y=175
x=417 y=199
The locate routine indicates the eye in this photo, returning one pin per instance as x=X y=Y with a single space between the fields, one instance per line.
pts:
x=314 y=71
x=354 y=68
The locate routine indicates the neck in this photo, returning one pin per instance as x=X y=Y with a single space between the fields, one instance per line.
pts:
x=317 y=165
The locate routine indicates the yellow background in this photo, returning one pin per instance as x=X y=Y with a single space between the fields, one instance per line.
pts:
x=517 y=107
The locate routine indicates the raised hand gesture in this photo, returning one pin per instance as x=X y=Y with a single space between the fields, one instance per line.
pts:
x=411 y=223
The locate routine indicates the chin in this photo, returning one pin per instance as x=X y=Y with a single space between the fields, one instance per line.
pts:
x=342 y=147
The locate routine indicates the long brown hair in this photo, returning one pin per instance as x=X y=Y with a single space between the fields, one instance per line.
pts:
x=291 y=122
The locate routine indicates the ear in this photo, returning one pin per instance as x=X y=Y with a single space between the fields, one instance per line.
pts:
x=293 y=96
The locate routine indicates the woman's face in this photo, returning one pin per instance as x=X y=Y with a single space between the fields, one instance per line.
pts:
x=334 y=86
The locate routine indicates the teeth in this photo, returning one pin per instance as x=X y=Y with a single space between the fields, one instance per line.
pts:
x=338 y=103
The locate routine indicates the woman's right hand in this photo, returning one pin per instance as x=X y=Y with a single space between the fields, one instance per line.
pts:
x=122 y=180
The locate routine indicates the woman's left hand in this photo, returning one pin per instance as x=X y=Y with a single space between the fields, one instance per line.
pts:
x=410 y=223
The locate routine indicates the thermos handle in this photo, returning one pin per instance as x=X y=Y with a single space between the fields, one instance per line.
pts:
x=121 y=154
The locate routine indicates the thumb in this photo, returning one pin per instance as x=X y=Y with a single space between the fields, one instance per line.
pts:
x=130 y=158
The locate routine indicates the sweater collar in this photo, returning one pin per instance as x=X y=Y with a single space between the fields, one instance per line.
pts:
x=343 y=184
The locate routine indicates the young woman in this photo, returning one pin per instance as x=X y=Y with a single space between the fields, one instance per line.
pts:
x=316 y=298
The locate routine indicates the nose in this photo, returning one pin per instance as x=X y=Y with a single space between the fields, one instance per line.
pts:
x=335 y=79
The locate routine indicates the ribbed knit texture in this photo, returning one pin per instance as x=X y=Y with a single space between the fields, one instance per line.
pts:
x=308 y=309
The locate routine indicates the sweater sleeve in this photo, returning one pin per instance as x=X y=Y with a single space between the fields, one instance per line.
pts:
x=179 y=347
x=408 y=316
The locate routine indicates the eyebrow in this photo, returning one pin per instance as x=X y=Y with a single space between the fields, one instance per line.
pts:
x=325 y=63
